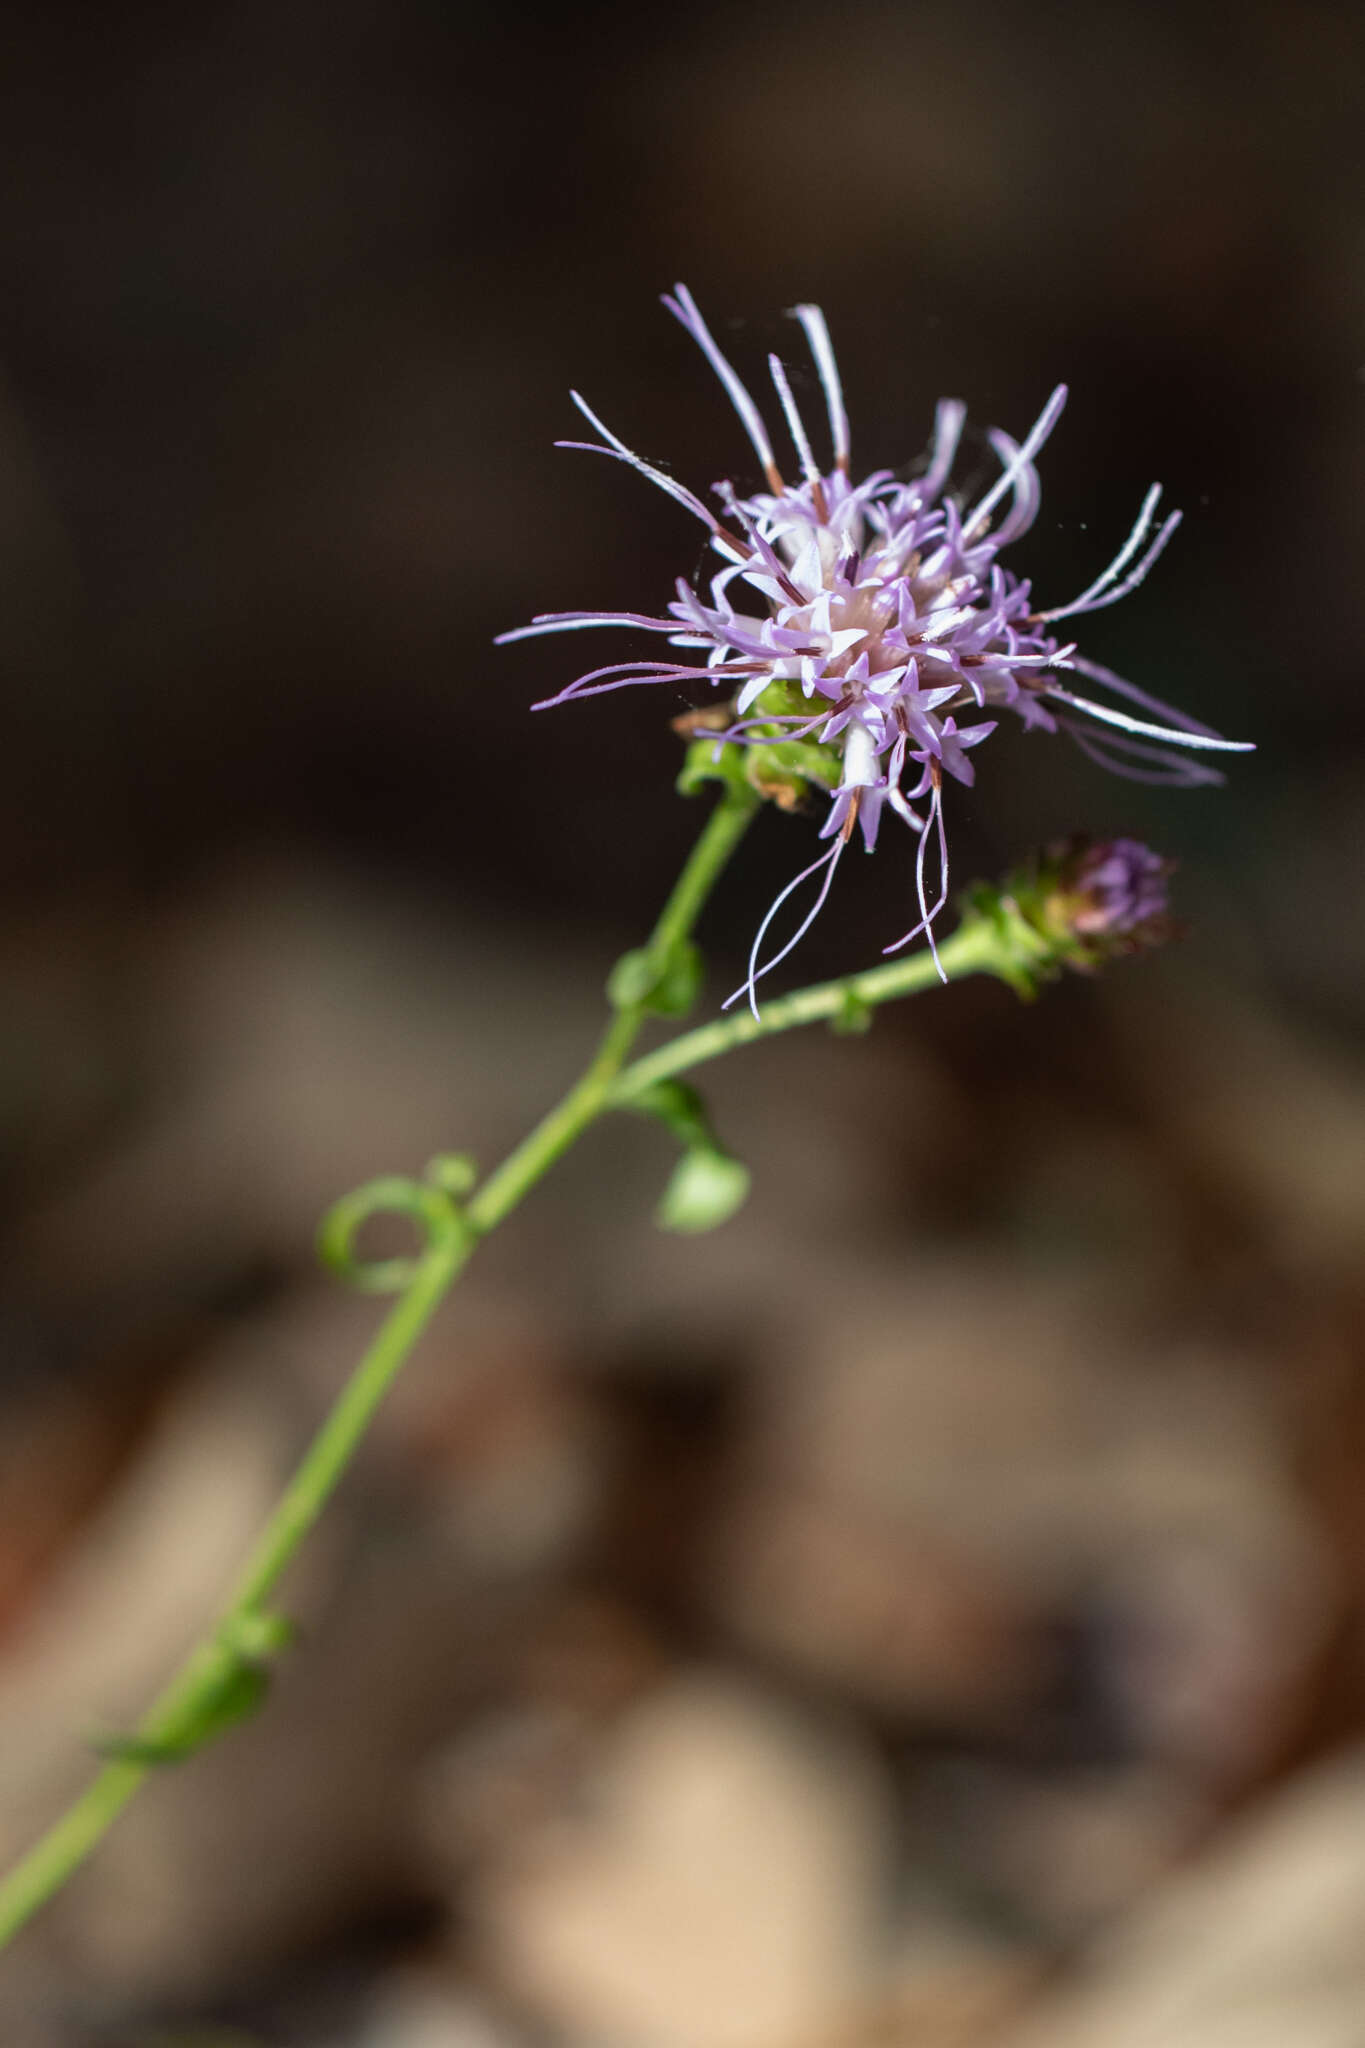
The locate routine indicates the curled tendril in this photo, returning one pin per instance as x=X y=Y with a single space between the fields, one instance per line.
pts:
x=428 y=1203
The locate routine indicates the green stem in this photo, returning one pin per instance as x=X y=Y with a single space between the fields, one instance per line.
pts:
x=188 y=1703
x=555 y=1133
x=336 y=1442
x=973 y=949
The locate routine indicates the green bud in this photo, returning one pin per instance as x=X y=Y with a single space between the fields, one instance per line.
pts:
x=704 y=1190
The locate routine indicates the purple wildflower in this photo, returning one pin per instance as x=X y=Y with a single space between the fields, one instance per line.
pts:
x=873 y=618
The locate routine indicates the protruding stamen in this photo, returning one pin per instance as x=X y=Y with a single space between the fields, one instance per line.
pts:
x=1141 y=526
x=795 y=424
x=1137 y=575
x=829 y=861
x=949 y=418
x=817 y=334
x=1169 y=734
x=1121 y=687
x=927 y=916
x=684 y=309
x=1027 y=490
x=574 y=622
x=1037 y=435
x=1116 y=755
x=1099 y=595
x=628 y=672
x=617 y=447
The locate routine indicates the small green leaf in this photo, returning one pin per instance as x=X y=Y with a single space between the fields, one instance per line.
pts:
x=853 y=1015
x=667 y=984
x=680 y=982
x=631 y=979
x=681 y=1110
x=704 y=1190
x=230 y=1679
x=239 y=1694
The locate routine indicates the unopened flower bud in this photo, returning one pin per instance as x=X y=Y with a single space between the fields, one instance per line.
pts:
x=1110 y=896
x=1080 y=904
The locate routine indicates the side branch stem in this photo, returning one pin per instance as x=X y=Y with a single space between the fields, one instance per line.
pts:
x=974 y=949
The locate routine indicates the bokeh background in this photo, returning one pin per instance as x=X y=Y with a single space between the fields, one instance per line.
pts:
x=930 y=1610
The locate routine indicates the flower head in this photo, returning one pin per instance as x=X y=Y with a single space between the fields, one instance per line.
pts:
x=873 y=622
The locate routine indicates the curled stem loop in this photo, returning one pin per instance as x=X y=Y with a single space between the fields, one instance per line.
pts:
x=439 y=1219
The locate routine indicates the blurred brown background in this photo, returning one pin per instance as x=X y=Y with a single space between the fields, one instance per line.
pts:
x=930 y=1610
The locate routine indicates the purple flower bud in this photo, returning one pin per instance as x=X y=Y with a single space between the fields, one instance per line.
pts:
x=1077 y=906
x=1119 y=887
